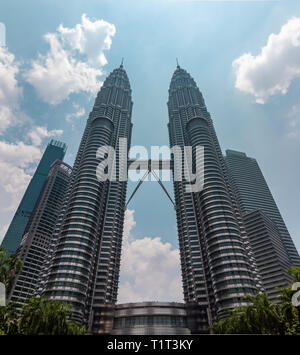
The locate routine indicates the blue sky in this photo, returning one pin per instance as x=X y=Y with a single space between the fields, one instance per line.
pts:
x=207 y=37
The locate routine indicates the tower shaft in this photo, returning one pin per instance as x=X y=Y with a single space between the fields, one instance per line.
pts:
x=215 y=252
x=84 y=267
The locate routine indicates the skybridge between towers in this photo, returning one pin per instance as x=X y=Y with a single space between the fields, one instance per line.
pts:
x=150 y=165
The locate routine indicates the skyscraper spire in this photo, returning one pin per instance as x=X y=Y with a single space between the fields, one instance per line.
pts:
x=84 y=269
x=212 y=245
x=121 y=66
x=178 y=66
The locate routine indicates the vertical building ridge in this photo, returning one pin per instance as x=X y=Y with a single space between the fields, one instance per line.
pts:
x=12 y=239
x=253 y=193
x=216 y=267
x=36 y=241
x=84 y=267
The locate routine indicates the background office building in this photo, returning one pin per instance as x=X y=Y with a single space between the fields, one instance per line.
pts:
x=12 y=239
x=37 y=238
x=254 y=194
x=270 y=255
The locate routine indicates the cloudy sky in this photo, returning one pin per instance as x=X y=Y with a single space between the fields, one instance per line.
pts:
x=244 y=55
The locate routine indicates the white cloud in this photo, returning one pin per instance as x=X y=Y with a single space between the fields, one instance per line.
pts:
x=150 y=269
x=293 y=117
x=59 y=73
x=14 y=160
x=18 y=154
x=2 y=232
x=80 y=111
x=38 y=133
x=10 y=92
x=13 y=185
x=17 y=163
x=90 y=38
x=273 y=69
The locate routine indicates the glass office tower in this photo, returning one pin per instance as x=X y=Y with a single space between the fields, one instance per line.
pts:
x=218 y=267
x=36 y=241
x=254 y=194
x=84 y=269
x=55 y=150
x=271 y=257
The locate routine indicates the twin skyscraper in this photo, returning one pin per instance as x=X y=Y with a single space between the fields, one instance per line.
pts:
x=232 y=238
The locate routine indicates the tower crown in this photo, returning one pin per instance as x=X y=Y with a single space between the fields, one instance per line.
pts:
x=118 y=77
x=181 y=78
x=115 y=91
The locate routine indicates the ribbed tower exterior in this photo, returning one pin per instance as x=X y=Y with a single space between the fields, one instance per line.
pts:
x=254 y=194
x=12 y=240
x=218 y=268
x=271 y=257
x=84 y=267
x=37 y=239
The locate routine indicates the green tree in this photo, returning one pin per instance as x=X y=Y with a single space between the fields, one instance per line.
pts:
x=261 y=316
x=10 y=267
x=9 y=319
x=295 y=272
x=290 y=315
x=41 y=316
x=38 y=315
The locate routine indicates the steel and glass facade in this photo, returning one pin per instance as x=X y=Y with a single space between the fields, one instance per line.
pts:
x=230 y=232
x=36 y=241
x=150 y=318
x=12 y=239
x=253 y=194
x=270 y=255
x=84 y=268
x=218 y=268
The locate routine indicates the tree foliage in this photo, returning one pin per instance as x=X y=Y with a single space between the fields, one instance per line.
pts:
x=39 y=315
x=42 y=316
x=10 y=267
x=261 y=316
x=9 y=323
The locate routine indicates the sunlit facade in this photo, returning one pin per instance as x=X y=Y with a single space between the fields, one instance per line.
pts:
x=218 y=267
x=12 y=239
x=36 y=242
x=84 y=268
x=253 y=193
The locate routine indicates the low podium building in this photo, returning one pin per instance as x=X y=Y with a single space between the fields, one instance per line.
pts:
x=150 y=318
